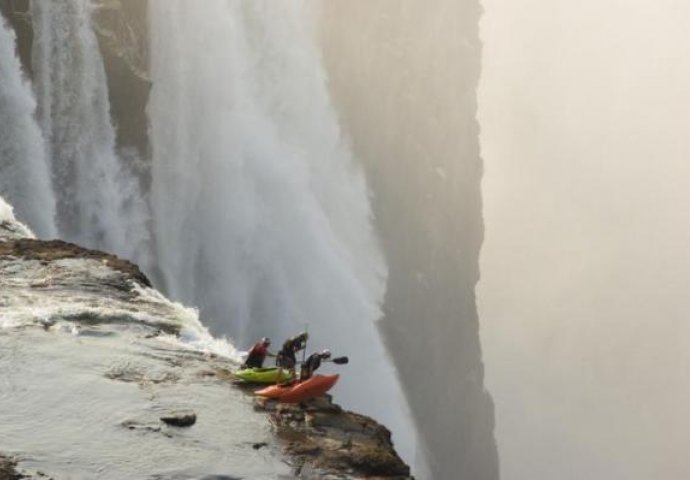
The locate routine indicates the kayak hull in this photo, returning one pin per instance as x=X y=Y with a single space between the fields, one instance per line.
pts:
x=301 y=391
x=264 y=375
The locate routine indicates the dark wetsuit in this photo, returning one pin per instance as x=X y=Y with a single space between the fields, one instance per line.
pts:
x=286 y=356
x=310 y=366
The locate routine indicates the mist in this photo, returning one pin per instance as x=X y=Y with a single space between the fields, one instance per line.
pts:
x=403 y=75
x=583 y=300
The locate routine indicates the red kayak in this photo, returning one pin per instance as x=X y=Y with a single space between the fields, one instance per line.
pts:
x=301 y=391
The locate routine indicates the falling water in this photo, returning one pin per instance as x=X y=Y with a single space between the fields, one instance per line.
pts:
x=24 y=177
x=98 y=200
x=261 y=215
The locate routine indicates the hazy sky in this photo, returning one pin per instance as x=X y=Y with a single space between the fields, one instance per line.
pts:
x=584 y=299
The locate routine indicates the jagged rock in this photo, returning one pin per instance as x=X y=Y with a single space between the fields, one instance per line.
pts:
x=47 y=251
x=8 y=469
x=185 y=418
x=325 y=441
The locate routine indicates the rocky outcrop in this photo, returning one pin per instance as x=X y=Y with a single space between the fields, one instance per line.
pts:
x=8 y=468
x=9 y=471
x=185 y=418
x=53 y=287
x=324 y=441
x=49 y=251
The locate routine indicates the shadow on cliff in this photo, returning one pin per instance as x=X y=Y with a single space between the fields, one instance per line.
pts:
x=404 y=77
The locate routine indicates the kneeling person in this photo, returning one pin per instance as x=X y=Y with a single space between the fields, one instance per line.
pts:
x=257 y=354
x=313 y=363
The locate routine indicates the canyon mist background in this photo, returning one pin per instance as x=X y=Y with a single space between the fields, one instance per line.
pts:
x=404 y=77
x=585 y=272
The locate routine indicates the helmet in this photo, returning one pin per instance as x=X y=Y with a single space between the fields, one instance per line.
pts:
x=266 y=341
x=326 y=353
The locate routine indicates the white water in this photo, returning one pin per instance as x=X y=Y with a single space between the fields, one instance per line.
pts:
x=261 y=215
x=99 y=201
x=9 y=226
x=96 y=376
x=24 y=178
x=72 y=289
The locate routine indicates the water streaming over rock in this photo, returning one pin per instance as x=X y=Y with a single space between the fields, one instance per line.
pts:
x=91 y=359
x=261 y=215
x=99 y=202
x=24 y=177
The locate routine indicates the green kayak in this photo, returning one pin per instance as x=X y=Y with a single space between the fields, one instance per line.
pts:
x=264 y=375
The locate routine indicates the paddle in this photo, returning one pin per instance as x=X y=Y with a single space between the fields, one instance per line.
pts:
x=304 y=352
x=340 y=360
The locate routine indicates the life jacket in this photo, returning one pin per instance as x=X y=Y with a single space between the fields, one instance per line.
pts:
x=259 y=349
x=256 y=356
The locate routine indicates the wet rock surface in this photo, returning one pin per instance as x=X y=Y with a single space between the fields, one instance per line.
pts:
x=324 y=441
x=8 y=469
x=160 y=386
x=52 y=250
x=185 y=418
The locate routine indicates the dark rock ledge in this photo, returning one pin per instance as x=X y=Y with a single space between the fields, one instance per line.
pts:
x=8 y=471
x=324 y=441
x=52 y=250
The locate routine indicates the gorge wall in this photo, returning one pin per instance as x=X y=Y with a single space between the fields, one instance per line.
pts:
x=404 y=78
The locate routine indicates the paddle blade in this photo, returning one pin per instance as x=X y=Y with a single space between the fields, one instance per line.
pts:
x=340 y=360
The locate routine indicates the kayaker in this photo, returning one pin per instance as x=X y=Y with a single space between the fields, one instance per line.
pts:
x=257 y=354
x=286 y=357
x=312 y=363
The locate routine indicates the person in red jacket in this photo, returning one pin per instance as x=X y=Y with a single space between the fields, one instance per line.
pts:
x=257 y=354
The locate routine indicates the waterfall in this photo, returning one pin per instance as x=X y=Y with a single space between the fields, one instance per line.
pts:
x=261 y=215
x=99 y=202
x=24 y=175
